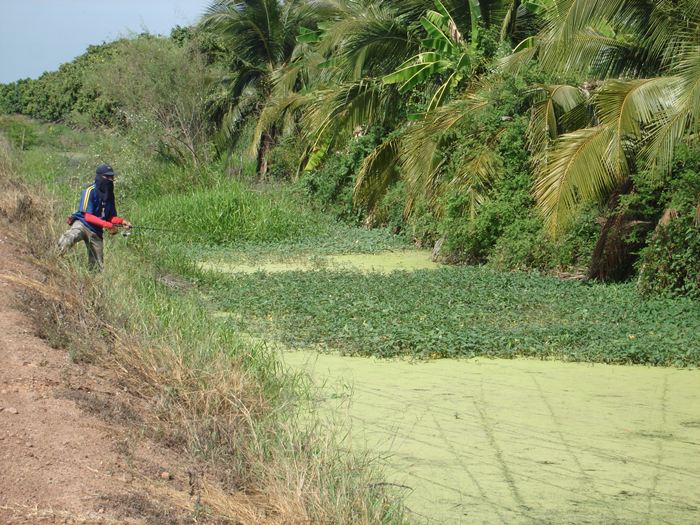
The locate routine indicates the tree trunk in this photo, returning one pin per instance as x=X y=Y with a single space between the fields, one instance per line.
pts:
x=510 y=31
x=263 y=152
x=614 y=254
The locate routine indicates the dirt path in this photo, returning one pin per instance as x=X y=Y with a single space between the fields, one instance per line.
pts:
x=70 y=449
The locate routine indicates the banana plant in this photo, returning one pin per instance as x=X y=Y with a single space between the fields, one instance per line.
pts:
x=445 y=53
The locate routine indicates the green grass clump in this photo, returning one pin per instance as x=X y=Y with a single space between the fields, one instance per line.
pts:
x=227 y=214
x=463 y=311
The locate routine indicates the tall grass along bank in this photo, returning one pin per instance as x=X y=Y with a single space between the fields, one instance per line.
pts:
x=227 y=402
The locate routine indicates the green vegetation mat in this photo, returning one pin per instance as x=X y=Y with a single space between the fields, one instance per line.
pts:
x=327 y=239
x=462 y=311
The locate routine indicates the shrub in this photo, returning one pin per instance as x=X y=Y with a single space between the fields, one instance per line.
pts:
x=389 y=212
x=21 y=134
x=670 y=263
x=284 y=159
x=331 y=185
x=57 y=94
x=525 y=244
x=160 y=89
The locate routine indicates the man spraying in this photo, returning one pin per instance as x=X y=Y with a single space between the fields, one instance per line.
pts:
x=96 y=212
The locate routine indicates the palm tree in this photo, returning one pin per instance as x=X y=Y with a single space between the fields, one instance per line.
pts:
x=637 y=99
x=448 y=66
x=260 y=37
x=338 y=79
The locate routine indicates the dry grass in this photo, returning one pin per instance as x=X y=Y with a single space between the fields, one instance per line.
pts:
x=19 y=207
x=226 y=406
x=34 y=514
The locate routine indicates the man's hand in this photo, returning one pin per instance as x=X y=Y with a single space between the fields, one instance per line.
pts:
x=112 y=230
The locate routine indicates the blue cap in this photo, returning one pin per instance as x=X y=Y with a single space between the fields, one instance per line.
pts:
x=104 y=169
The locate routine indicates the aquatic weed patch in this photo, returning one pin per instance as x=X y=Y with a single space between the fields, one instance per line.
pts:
x=330 y=238
x=462 y=311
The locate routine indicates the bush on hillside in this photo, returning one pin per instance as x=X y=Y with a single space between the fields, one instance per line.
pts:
x=57 y=95
x=160 y=88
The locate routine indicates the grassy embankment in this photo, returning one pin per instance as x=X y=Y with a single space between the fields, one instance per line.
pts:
x=225 y=401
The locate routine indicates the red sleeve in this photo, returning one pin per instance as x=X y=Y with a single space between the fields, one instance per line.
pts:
x=92 y=219
x=117 y=220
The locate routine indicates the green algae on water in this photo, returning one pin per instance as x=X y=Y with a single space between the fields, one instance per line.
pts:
x=524 y=441
x=383 y=262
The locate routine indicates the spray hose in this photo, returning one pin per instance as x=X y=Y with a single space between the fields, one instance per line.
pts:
x=127 y=231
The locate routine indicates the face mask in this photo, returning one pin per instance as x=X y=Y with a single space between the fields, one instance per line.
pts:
x=105 y=187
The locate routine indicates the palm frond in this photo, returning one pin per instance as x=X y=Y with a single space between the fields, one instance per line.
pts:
x=588 y=51
x=273 y=112
x=349 y=105
x=665 y=133
x=516 y=61
x=577 y=170
x=568 y=18
x=476 y=174
x=555 y=101
x=250 y=29
x=610 y=38
x=420 y=163
x=340 y=109
x=626 y=107
x=377 y=173
x=688 y=69
x=371 y=39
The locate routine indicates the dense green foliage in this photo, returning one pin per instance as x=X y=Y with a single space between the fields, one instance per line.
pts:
x=519 y=134
x=229 y=213
x=159 y=87
x=62 y=94
x=462 y=312
x=330 y=185
x=670 y=263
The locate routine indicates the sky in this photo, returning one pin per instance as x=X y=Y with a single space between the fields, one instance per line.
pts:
x=40 y=35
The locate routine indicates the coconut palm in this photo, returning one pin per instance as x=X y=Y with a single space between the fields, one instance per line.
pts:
x=349 y=63
x=449 y=66
x=260 y=37
x=639 y=62
x=339 y=61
